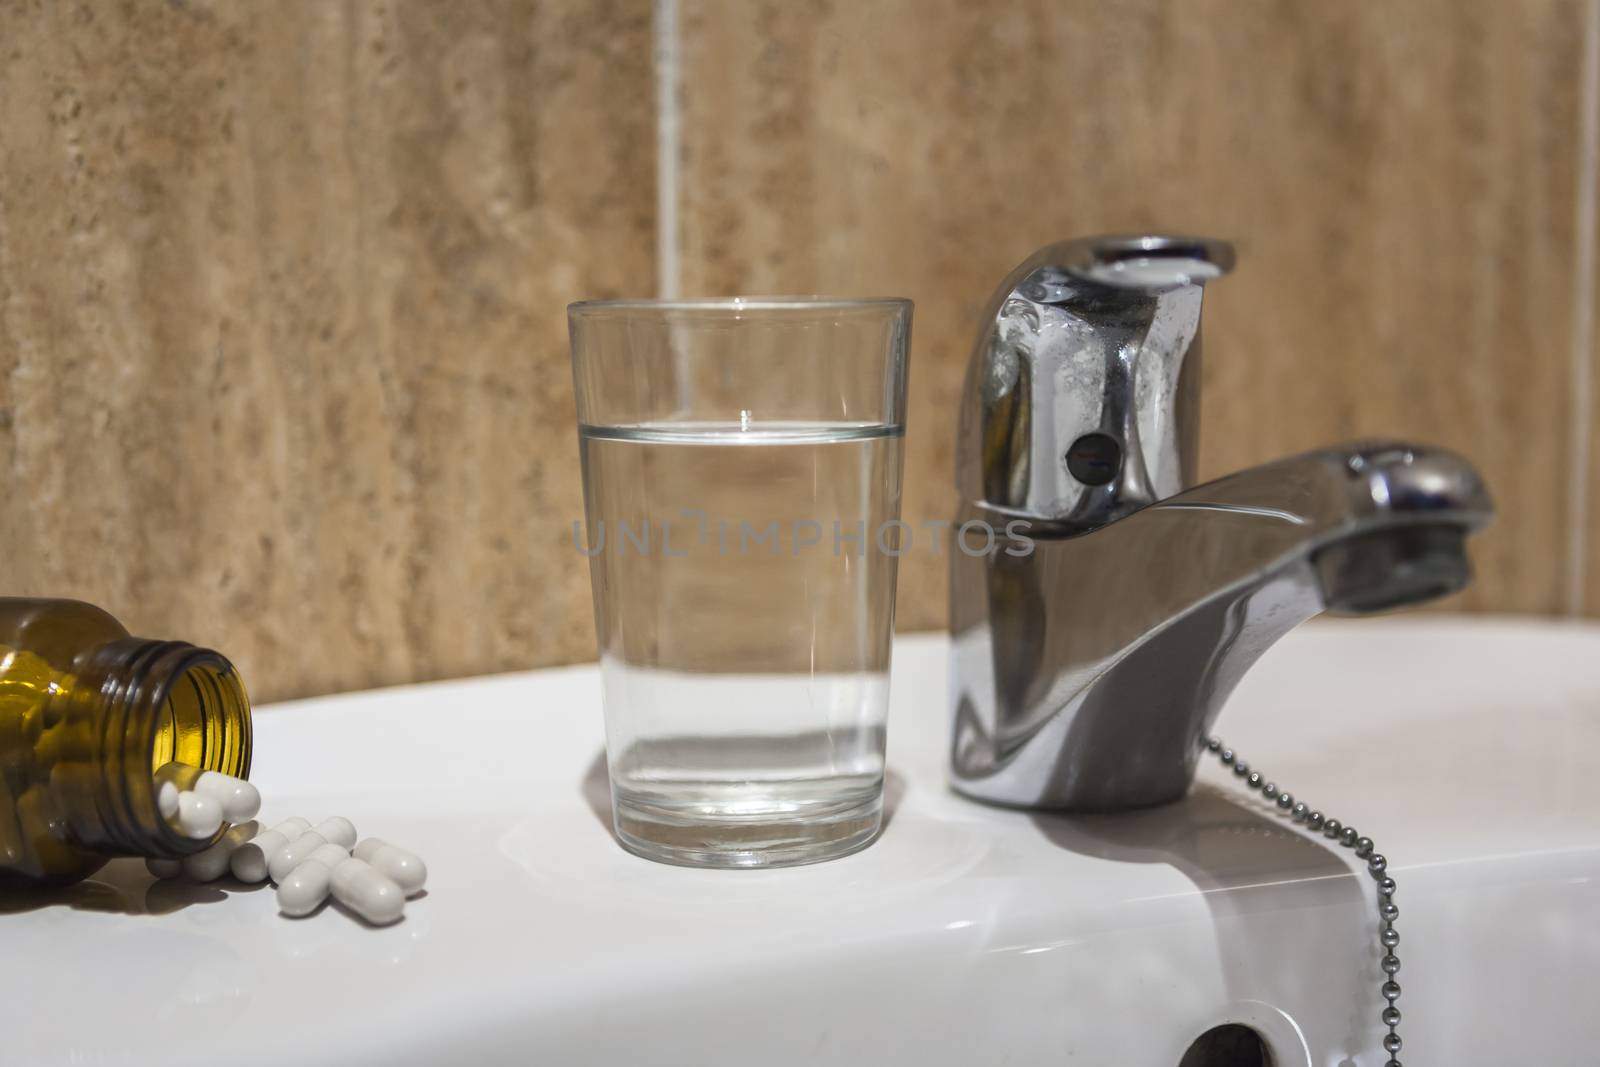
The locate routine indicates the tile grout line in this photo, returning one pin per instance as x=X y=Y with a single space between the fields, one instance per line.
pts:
x=1586 y=237
x=664 y=28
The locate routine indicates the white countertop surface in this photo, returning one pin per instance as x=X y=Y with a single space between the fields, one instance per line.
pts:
x=1468 y=748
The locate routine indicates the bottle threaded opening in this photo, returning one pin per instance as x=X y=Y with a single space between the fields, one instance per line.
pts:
x=158 y=702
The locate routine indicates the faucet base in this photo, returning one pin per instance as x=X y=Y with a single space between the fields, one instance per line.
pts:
x=1089 y=669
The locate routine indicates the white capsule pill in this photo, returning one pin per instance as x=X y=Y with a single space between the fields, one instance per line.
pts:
x=330 y=855
x=211 y=863
x=199 y=816
x=249 y=861
x=339 y=830
x=167 y=799
x=239 y=799
x=304 y=889
x=164 y=868
x=368 y=892
x=293 y=854
x=406 y=869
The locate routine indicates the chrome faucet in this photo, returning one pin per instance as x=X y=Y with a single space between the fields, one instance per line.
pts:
x=1095 y=643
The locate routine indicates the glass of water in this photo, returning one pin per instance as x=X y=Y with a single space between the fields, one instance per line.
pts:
x=741 y=477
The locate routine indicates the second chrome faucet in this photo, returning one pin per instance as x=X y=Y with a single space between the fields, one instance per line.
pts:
x=1088 y=671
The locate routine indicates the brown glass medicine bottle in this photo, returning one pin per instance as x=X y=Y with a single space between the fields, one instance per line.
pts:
x=87 y=714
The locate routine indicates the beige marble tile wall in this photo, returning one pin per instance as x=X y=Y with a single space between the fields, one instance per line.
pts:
x=282 y=336
x=1402 y=181
x=282 y=354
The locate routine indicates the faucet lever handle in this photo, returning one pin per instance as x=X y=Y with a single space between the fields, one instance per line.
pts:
x=1082 y=394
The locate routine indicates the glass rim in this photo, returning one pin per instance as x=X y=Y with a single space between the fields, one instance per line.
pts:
x=737 y=304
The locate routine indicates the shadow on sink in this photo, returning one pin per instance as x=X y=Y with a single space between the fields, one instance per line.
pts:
x=1220 y=844
x=1290 y=913
x=122 y=887
x=596 y=787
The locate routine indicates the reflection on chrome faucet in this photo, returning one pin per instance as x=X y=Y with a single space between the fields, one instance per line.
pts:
x=1087 y=673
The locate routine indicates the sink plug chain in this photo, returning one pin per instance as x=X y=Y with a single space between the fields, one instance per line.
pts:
x=1377 y=866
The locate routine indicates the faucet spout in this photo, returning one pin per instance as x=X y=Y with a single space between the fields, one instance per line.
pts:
x=1093 y=652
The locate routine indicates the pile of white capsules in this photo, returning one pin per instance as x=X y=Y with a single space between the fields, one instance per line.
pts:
x=307 y=863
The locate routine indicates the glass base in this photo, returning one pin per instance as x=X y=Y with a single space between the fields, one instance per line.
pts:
x=697 y=837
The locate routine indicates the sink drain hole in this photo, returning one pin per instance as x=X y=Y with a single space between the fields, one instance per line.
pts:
x=1229 y=1045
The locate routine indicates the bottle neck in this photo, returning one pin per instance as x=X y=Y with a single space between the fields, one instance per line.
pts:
x=134 y=706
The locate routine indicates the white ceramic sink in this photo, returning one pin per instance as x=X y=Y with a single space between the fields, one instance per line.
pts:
x=1469 y=749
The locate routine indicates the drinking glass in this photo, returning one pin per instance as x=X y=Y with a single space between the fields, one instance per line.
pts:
x=741 y=478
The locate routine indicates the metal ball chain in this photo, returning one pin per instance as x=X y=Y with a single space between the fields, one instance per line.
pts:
x=1377 y=866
